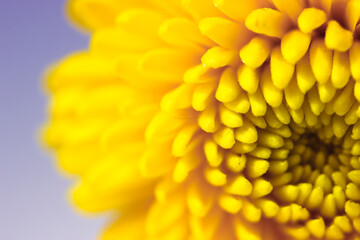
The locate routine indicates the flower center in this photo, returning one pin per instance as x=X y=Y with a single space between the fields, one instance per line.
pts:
x=316 y=163
x=293 y=154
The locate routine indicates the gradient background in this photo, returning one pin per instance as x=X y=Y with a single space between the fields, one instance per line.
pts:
x=33 y=205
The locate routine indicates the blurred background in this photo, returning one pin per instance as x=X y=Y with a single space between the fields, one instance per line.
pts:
x=33 y=204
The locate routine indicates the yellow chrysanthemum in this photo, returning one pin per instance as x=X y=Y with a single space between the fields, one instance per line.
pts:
x=214 y=119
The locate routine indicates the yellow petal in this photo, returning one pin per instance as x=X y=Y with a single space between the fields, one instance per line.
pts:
x=250 y=212
x=354 y=176
x=225 y=137
x=255 y=52
x=339 y=179
x=80 y=133
x=155 y=130
x=228 y=89
x=268 y=22
x=350 y=117
x=140 y=20
x=352 y=192
x=272 y=120
x=83 y=69
x=304 y=74
x=175 y=99
x=316 y=227
x=230 y=203
x=292 y=10
x=151 y=165
x=338 y=38
x=287 y=193
x=261 y=188
x=239 y=186
x=166 y=63
x=257 y=121
x=261 y=152
x=200 y=9
x=305 y=190
x=240 y=104
x=94 y=195
x=182 y=32
x=112 y=40
x=268 y=207
x=229 y=118
x=357 y=90
x=248 y=78
x=246 y=133
x=310 y=19
x=326 y=91
x=127 y=69
x=328 y=208
x=345 y=100
x=270 y=140
x=183 y=139
x=316 y=105
x=178 y=231
x=278 y=167
x=213 y=154
x=315 y=198
x=170 y=8
x=94 y=13
x=293 y=95
x=283 y=214
x=90 y=200
x=257 y=103
x=294 y=45
x=343 y=223
x=298 y=232
x=340 y=73
x=202 y=96
x=235 y=163
x=246 y=232
x=334 y=232
x=352 y=14
x=339 y=126
x=224 y=32
x=175 y=208
x=215 y=177
x=217 y=57
x=299 y=213
x=237 y=10
x=199 y=74
x=205 y=228
x=207 y=120
x=272 y=95
x=199 y=199
x=281 y=70
x=352 y=209
x=185 y=165
x=282 y=114
x=85 y=158
x=320 y=60
x=256 y=167
x=355 y=60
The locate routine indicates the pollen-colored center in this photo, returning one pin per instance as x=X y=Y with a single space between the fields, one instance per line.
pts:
x=287 y=123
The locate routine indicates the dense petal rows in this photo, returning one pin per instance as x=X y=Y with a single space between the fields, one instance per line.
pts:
x=214 y=119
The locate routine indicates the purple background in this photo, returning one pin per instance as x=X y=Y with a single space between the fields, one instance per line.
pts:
x=33 y=205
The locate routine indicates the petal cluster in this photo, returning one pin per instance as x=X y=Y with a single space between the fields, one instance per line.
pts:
x=214 y=119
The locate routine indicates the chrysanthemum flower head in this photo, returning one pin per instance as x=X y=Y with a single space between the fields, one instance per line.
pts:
x=214 y=119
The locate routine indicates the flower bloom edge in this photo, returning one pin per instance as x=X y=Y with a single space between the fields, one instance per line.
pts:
x=213 y=119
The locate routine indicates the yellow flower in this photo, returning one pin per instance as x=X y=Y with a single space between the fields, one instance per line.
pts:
x=214 y=119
